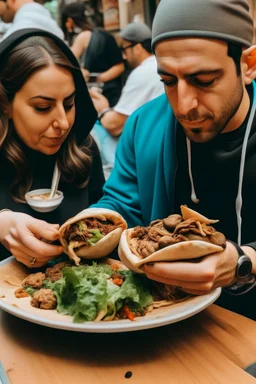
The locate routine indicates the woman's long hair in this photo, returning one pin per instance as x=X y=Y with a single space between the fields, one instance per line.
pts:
x=76 y=12
x=25 y=59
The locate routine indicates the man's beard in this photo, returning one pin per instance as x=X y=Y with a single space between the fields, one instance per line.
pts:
x=198 y=134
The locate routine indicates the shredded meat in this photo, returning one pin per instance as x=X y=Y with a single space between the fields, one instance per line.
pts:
x=44 y=299
x=172 y=230
x=81 y=231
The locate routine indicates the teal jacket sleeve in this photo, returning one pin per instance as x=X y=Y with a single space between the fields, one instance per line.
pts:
x=121 y=189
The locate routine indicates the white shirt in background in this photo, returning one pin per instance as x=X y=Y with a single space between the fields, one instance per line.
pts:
x=142 y=85
x=34 y=15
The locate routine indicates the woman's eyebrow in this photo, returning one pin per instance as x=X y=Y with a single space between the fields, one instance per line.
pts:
x=51 y=99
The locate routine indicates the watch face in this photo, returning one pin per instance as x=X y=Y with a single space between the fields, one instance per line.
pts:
x=244 y=267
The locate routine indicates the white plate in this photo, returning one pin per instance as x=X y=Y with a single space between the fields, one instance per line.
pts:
x=157 y=318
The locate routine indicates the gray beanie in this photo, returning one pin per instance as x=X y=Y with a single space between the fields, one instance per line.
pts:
x=227 y=20
x=136 y=32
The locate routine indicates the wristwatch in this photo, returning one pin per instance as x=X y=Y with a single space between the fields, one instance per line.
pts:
x=244 y=279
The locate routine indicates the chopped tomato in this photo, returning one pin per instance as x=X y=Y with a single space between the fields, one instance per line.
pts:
x=128 y=313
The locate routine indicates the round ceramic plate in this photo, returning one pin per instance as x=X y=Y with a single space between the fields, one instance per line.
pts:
x=12 y=271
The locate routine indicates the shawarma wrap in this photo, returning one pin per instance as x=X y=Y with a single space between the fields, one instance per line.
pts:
x=91 y=234
x=177 y=237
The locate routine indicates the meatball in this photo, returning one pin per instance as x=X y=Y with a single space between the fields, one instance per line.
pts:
x=44 y=299
x=35 y=280
x=55 y=273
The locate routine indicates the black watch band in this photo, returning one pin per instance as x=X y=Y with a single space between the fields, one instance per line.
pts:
x=244 y=279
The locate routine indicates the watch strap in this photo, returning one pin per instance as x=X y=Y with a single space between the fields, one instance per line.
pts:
x=240 y=287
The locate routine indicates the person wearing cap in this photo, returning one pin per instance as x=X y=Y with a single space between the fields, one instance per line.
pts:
x=196 y=145
x=27 y=14
x=142 y=85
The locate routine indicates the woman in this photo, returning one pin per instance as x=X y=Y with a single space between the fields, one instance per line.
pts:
x=46 y=116
x=96 y=49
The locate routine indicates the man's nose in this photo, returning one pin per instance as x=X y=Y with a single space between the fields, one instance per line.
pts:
x=187 y=98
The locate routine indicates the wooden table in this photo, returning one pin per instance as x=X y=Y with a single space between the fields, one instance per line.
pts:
x=211 y=347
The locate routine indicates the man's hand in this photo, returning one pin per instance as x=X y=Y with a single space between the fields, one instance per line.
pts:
x=27 y=238
x=197 y=276
x=100 y=102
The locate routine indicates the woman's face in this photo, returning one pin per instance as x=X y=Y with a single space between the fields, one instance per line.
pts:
x=43 y=110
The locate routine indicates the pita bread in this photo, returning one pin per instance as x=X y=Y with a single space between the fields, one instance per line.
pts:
x=188 y=213
x=80 y=249
x=185 y=250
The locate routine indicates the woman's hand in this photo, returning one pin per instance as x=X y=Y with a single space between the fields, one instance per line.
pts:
x=27 y=238
x=197 y=276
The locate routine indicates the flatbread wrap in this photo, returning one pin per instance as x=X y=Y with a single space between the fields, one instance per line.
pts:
x=91 y=234
x=177 y=237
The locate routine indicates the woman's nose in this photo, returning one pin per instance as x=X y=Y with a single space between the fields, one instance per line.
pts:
x=61 y=121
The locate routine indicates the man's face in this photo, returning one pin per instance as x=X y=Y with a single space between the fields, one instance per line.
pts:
x=7 y=12
x=129 y=53
x=202 y=86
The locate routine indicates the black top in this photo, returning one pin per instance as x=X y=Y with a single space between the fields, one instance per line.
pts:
x=101 y=54
x=215 y=170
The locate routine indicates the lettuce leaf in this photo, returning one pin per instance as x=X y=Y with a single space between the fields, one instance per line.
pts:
x=85 y=291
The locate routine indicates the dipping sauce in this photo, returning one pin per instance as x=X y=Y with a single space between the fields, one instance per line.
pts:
x=43 y=196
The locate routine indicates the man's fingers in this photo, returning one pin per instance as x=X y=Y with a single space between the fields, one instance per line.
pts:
x=193 y=285
x=185 y=271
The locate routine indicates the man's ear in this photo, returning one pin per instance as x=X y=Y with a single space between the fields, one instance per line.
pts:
x=248 y=64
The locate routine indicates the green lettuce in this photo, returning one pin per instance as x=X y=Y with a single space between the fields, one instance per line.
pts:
x=85 y=291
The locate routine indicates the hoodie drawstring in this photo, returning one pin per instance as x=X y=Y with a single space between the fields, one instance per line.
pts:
x=193 y=192
x=239 y=199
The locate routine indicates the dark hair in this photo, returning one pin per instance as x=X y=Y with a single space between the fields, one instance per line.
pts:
x=146 y=44
x=77 y=12
x=235 y=52
x=25 y=59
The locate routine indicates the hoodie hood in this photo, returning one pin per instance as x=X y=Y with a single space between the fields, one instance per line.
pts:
x=86 y=114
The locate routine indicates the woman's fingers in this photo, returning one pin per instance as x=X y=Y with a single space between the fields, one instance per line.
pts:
x=28 y=256
x=29 y=236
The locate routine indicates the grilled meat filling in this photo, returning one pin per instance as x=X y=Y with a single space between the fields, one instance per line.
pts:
x=162 y=233
x=89 y=230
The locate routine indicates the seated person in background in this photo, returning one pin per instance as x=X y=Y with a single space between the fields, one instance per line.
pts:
x=142 y=85
x=96 y=49
x=27 y=14
x=45 y=118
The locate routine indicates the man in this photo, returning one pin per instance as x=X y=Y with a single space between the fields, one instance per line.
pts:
x=27 y=14
x=197 y=144
x=142 y=85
